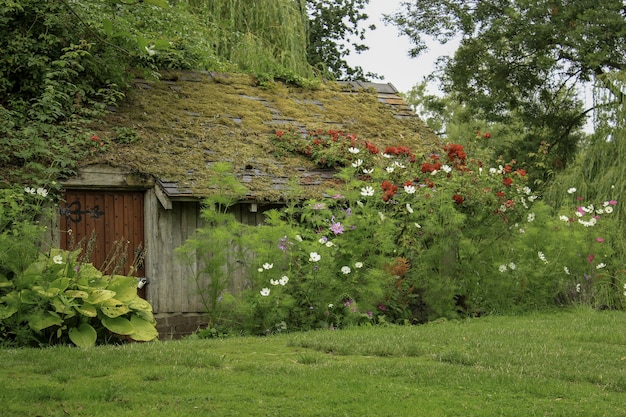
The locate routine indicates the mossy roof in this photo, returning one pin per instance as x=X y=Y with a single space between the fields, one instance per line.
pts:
x=187 y=121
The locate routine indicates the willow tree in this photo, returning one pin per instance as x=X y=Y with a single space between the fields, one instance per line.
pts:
x=261 y=37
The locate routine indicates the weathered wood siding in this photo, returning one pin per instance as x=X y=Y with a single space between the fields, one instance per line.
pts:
x=172 y=289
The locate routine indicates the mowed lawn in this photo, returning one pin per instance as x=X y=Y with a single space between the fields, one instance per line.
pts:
x=566 y=363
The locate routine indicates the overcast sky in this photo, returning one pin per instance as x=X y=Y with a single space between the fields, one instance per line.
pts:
x=388 y=53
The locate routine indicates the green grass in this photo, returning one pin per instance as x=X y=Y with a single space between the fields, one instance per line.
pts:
x=559 y=364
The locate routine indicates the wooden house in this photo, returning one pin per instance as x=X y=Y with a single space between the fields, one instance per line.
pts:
x=142 y=193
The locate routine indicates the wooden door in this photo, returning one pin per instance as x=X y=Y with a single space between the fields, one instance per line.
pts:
x=108 y=225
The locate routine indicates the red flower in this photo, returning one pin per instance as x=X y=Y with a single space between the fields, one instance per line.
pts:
x=486 y=135
x=591 y=257
x=507 y=182
x=521 y=172
x=371 y=148
x=94 y=138
x=458 y=198
x=500 y=194
x=279 y=133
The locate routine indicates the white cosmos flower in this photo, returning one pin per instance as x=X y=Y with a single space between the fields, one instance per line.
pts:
x=600 y=265
x=314 y=257
x=345 y=270
x=512 y=266
x=265 y=292
x=409 y=189
x=368 y=171
x=329 y=244
x=566 y=269
x=577 y=287
x=564 y=218
x=571 y=190
x=359 y=265
x=409 y=208
x=447 y=169
x=268 y=266
x=29 y=190
x=417 y=225
x=58 y=259
x=531 y=217
x=542 y=257
x=502 y=268
x=283 y=280
x=608 y=209
x=367 y=191
x=42 y=192
x=354 y=150
x=389 y=170
x=274 y=281
x=357 y=163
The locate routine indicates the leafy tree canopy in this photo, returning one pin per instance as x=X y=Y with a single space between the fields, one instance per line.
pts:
x=522 y=58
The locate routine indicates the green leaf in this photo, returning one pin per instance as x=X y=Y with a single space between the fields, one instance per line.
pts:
x=108 y=26
x=116 y=311
x=87 y=310
x=7 y=311
x=118 y=325
x=49 y=293
x=125 y=287
x=43 y=320
x=100 y=296
x=144 y=330
x=76 y=294
x=83 y=336
x=139 y=304
x=60 y=283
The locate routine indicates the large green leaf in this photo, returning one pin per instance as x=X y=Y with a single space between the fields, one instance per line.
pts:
x=60 y=283
x=83 y=336
x=144 y=330
x=139 y=304
x=125 y=287
x=46 y=293
x=87 y=310
x=76 y=294
x=4 y=282
x=118 y=325
x=7 y=311
x=43 y=320
x=99 y=296
x=115 y=311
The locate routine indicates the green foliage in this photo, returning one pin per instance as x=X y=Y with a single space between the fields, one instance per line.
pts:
x=215 y=248
x=57 y=299
x=333 y=26
x=411 y=238
x=524 y=60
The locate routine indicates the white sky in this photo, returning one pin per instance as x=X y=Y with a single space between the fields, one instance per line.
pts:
x=388 y=53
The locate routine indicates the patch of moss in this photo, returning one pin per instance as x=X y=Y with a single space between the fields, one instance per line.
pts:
x=188 y=120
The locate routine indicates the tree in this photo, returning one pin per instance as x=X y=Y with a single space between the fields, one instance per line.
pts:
x=330 y=28
x=524 y=58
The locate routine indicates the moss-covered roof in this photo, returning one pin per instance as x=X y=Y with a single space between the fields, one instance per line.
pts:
x=187 y=121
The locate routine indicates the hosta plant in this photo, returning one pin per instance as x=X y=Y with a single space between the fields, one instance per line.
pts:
x=60 y=300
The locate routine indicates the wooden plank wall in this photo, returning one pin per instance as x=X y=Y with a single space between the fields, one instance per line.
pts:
x=171 y=289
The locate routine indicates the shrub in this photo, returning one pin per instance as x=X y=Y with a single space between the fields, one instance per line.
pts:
x=409 y=238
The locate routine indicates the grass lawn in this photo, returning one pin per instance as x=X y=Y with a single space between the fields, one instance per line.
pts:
x=569 y=363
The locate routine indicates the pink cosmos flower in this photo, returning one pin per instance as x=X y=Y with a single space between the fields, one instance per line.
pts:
x=591 y=257
x=599 y=239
